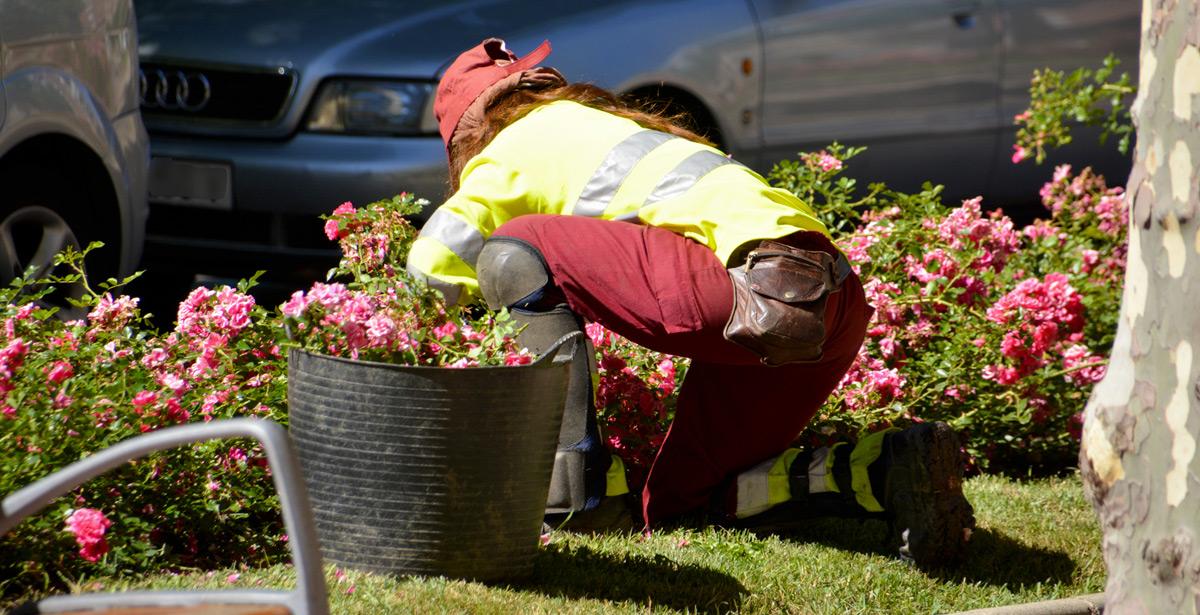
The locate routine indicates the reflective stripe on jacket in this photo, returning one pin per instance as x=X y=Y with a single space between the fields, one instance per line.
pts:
x=567 y=158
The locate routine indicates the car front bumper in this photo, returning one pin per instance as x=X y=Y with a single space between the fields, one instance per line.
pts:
x=270 y=193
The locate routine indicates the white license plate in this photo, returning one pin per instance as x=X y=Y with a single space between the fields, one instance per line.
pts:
x=191 y=183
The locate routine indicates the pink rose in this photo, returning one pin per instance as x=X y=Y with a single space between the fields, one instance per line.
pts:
x=446 y=330
x=597 y=333
x=828 y=163
x=111 y=312
x=1019 y=154
x=173 y=382
x=89 y=525
x=294 y=308
x=518 y=358
x=144 y=398
x=59 y=371
x=332 y=231
x=155 y=358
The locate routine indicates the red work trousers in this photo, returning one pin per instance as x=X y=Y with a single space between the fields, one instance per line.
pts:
x=672 y=295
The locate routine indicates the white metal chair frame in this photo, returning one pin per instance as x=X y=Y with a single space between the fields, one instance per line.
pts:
x=310 y=596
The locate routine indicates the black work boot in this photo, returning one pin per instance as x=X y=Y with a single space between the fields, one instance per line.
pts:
x=922 y=494
x=915 y=484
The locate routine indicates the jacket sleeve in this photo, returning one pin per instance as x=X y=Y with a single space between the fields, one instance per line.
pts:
x=448 y=246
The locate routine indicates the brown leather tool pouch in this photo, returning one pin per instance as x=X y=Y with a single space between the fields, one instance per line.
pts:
x=779 y=298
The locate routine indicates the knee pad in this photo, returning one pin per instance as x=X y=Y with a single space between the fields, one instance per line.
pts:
x=581 y=461
x=512 y=274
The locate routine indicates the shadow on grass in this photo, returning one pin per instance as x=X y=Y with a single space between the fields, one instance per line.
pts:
x=993 y=558
x=996 y=559
x=579 y=572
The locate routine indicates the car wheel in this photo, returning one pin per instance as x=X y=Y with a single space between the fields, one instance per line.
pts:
x=39 y=218
x=683 y=108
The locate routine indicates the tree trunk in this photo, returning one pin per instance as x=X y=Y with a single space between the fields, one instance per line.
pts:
x=1138 y=454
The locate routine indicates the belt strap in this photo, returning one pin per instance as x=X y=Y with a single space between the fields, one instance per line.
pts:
x=841 y=269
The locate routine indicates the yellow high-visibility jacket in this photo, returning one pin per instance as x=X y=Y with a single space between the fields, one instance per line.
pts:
x=567 y=158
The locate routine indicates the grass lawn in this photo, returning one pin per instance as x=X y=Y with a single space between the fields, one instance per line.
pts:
x=1036 y=540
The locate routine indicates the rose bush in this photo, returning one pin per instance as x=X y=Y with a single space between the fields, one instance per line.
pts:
x=1084 y=96
x=1000 y=332
x=382 y=314
x=69 y=388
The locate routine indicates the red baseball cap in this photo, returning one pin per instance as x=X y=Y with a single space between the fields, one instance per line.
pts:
x=472 y=73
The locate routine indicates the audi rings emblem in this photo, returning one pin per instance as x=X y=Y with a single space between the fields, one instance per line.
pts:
x=174 y=89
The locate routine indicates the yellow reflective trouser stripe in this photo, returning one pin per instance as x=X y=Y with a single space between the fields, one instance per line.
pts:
x=765 y=485
x=779 y=488
x=830 y=483
x=865 y=452
x=616 y=484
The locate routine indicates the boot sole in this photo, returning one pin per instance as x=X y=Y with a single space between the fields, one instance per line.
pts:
x=932 y=517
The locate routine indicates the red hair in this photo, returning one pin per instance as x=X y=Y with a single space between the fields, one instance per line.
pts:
x=515 y=104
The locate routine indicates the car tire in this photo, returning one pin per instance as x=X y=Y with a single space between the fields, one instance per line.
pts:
x=42 y=213
x=683 y=109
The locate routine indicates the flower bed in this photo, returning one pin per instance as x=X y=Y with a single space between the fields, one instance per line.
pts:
x=999 y=331
x=70 y=388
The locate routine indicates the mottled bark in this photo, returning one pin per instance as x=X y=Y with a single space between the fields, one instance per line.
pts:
x=1138 y=453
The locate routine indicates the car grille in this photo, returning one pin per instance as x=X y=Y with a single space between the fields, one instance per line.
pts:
x=218 y=94
x=265 y=230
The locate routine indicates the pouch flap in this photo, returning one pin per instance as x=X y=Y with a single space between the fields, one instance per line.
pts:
x=787 y=280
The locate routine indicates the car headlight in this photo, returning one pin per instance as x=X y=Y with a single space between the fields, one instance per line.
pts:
x=363 y=106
